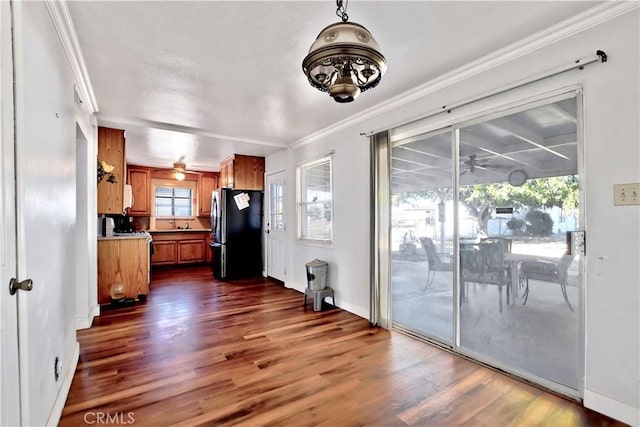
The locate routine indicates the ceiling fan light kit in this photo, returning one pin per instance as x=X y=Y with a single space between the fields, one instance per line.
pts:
x=344 y=60
x=179 y=168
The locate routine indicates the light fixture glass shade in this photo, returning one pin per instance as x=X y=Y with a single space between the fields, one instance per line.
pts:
x=344 y=61
x=179 y=167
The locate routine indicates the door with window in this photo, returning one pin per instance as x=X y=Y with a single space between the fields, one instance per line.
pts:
x=486 y=238
x=276 y=229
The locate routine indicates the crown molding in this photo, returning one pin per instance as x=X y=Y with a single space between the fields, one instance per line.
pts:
x=66 y=31
x=594 y=16
x=116 y=122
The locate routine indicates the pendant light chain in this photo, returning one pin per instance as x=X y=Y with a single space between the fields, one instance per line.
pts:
x=341 y=11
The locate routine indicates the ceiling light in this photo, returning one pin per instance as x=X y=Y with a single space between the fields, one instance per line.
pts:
x=344 y=60
x=179 y=167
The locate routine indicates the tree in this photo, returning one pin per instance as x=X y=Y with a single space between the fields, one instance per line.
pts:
x=482 y=199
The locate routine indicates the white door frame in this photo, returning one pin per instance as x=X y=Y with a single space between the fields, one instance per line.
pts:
x=276 y=248
x=9 y=356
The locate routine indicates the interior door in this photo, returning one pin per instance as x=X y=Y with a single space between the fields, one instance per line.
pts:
x=276 y=229
x=45 y=159
x=9 y=365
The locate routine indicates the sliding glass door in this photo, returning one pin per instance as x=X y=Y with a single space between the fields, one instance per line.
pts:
x=484 y=220
x=422 y=235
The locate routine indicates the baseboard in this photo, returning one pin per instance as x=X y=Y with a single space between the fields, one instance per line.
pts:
x=612 y=408
x=85 y=323
x=354 y=309
x=351 y=308
x=58 y=406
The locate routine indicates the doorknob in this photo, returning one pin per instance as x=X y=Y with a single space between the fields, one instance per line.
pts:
x=14 y=285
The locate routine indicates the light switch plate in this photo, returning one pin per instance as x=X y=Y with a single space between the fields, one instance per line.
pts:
x=626 y=194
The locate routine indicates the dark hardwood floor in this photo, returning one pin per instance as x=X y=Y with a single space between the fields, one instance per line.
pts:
x=203 y=352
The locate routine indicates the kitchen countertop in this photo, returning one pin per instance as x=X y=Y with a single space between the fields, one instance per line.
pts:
x=182 y=230
x=121 y=236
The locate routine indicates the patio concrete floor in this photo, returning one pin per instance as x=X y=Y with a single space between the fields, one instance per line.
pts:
x=541 y=337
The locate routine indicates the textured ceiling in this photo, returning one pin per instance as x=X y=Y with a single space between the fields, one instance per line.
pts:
x=203 y=80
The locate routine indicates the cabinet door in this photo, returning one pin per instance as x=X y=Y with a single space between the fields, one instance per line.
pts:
x=208 y=183
x=191 y=251
x=122 y=261
x=111 y=151
x=164 y=253
x=248 y=172
x=226 y=173
x=139 y=179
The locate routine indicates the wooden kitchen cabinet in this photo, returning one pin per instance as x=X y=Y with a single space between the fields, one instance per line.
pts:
x=111 y=149
x=242 y=172
x=208 y=183
x=164 y=252
x=126 y=261
x=226 y=173
x=190 y=251
x=140 y=180
x=180 y=247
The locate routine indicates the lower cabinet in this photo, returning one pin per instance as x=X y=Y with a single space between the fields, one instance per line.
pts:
x=124 y=261
x=164 y=252
x=191 y=251
x=176 y=248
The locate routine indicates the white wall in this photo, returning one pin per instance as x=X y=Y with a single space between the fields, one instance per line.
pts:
x=612 y=155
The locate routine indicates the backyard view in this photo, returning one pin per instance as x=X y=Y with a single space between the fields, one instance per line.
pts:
x=501 y=237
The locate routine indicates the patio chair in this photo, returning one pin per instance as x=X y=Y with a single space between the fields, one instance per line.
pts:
x=484 y=263
x=506 y=243
x=437 y=261
x=547 y=271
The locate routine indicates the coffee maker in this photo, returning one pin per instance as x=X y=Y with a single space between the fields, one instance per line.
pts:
x=124 y=224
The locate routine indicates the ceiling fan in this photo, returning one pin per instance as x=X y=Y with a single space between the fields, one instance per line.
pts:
x=472 y=163
x=179 y=168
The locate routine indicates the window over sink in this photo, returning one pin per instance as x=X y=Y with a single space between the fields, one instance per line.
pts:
x=173 y=199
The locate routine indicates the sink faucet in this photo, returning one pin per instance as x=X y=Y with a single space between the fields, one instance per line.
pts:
x=173 y=224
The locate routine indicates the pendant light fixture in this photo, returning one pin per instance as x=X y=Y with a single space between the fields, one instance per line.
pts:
x=344 y=60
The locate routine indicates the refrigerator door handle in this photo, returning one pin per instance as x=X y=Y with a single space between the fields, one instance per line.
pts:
x=223 y=264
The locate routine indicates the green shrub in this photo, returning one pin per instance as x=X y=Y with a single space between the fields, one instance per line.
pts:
x=516 y=225
x=539 y=223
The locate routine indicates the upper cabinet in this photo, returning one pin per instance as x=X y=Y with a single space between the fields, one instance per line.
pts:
x=139 y=177
x=208 y=183
x=242 y=172
x=140 y=180
x=111 y=151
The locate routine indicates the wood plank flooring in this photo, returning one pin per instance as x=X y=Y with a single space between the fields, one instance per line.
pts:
x=204 y=352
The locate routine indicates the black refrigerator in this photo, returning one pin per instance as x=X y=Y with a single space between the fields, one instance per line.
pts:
x=236 y=225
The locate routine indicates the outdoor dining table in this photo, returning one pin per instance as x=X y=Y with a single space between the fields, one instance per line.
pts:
x=513 y=261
